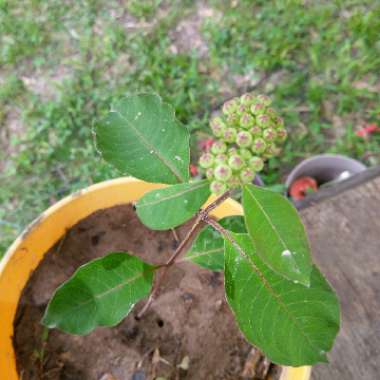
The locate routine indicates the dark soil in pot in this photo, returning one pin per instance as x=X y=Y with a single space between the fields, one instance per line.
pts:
x=189 y=332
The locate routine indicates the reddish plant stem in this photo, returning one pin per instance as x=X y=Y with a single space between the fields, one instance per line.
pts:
x=227 y=234
x=167 y=265
x=202 y=216
x=176 y=238
x=217 y=202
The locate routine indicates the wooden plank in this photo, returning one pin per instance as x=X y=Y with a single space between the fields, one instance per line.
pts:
x=343 y=225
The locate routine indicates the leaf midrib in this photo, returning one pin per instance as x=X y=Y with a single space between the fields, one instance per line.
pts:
x=200 y=254
x=101 y=295
x=152 y=149
x=159 y=200
x=268 y=219
x=274 y=294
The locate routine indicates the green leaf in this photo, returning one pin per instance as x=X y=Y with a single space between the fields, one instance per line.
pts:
x=292 y=324
x=169 y=207
x=278 y=233
x=208 y=248
x=100 y=293
x=141 y=136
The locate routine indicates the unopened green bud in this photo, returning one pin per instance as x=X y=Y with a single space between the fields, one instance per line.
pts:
x=229 y=135
x=256 y=164
x=247 y=99
x=217 y=126
x=236 y=162
x=244 y=139
x=269 y=135
x=206 y=160
x=246 y=120
x=263 y=121
x=230 y=106
x=210 y=173
x=218 y=188
x=267 y=155
x=255 y=131
x=282 y=134
x=241 y=109
x=258 y=108
x=245 y=154
x=247 y=175
x=232 y=150
x=259 y=145
x=221 y=158
x=218 y=147
x=233 y=182
x=279 y=122
x=271 y=113
x=232 y=120
x=272 y=150
x=266 y=100
x=222 y=172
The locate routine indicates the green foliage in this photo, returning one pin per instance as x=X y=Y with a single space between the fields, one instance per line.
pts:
x=319 y=58
x=169 y=207
x=316 y=58
x=140 y=136
x=100 y=293
x=248 y=132
x=143 y=9
x=278 y=233
x=293 y=324
x=12 y=88
x=208 y=248
x=19 y=36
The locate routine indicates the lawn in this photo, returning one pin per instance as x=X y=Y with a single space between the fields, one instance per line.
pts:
x=63 y=63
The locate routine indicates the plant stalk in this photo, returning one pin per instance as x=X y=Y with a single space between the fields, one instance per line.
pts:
x=202 y=216
x=227 y=234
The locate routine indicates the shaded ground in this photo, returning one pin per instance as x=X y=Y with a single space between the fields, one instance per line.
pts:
x=63 y=63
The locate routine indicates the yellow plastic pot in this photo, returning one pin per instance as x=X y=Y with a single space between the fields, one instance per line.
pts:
x=27 y=251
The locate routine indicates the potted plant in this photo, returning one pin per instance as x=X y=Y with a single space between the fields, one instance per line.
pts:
x=320 y=170
x=281 y=302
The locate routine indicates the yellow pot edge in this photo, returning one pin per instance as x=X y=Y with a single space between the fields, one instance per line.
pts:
x=26 y=252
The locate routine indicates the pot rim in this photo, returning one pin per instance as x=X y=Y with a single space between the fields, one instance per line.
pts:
x=293 y=175
x=24 y=255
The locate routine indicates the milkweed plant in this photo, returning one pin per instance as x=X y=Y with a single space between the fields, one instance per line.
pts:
x=281 y=301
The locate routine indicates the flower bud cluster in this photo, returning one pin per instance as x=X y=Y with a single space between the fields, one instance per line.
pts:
x=248 y=133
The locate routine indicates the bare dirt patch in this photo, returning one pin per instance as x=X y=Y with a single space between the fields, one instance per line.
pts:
x=187 y=35
x=45 y=84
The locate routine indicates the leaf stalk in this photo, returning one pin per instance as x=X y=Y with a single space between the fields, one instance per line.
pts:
x=202 y=216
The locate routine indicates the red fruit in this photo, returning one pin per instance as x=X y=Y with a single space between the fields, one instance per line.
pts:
x=193 y=170
x=301 y=186
x=367 y=130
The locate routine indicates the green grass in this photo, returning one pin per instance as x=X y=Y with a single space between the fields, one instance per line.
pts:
x=320 y=62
